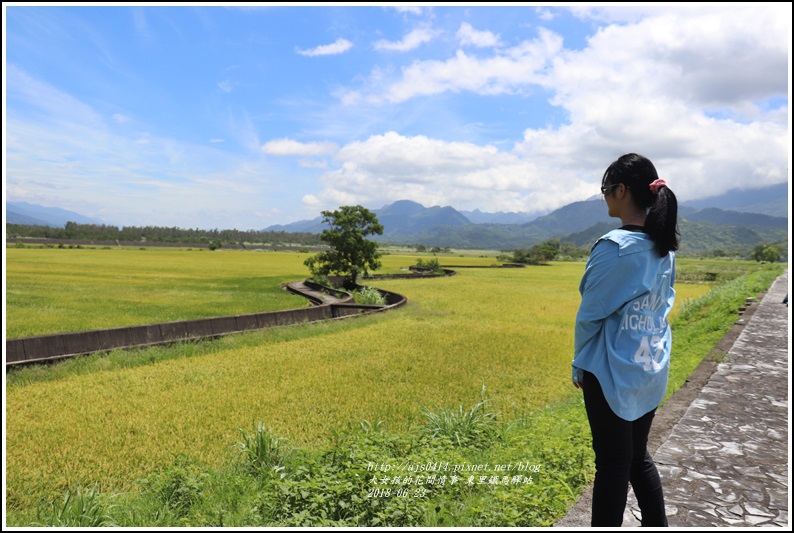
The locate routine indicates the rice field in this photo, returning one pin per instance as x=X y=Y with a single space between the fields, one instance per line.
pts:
x=51 y=290
x=508 y=329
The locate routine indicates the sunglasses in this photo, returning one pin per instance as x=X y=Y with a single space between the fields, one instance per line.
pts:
x=606 y=188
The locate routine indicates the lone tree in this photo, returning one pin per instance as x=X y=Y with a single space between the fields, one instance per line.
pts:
x=351 y=253
x=766 y=253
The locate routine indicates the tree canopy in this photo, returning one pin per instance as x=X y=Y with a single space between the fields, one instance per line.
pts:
x=766 y=252
x=351 y=254
x=101 y=232
x=542 y=253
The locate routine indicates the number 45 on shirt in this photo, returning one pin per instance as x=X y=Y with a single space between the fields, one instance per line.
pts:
x=643 y=353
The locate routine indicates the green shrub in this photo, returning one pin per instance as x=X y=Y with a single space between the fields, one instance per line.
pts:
x=431 y=265
x=262 y=452
x=369 y=296
x=178 y=488
x=321 y=280
x=476 y=426
x=84 y=508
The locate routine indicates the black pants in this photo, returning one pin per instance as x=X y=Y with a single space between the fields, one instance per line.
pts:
x=621 y=456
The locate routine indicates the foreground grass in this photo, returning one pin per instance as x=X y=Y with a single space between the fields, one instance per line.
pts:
x=471 y=470
x=172 y=423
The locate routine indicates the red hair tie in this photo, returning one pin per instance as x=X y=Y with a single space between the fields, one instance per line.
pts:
x=656 y=185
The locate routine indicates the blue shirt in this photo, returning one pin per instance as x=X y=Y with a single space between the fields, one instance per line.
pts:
x=622 y=335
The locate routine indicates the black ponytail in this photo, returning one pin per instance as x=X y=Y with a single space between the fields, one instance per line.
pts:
x=661 y=223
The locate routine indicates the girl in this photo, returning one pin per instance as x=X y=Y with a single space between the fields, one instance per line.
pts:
x=622 y=339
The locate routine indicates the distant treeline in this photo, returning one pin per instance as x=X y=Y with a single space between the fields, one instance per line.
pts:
x=101 y=232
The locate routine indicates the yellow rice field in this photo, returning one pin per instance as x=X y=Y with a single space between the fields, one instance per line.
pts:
x=51 y=290
x=508 y=329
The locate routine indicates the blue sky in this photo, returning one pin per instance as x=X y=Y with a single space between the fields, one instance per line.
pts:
x=248 y=116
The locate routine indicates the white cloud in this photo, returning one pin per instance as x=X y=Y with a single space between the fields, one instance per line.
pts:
x=225 y=86
x=214 y=141
x=467 y=35
x=310 y=163
x=121 y=119
x=689 y=93
x=702 y=59
x=388 y=167
x=311 y=200
x=619 y=13
x=510 y=72
x=290 y=147
x=339 y=46
x=412 y=40
x=654 y=97
x=413 y=10
x=545 y=14
x=52 y=104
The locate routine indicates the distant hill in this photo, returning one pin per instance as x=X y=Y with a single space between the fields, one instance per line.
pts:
x=703 y=238
x=400 y=219
x=13 y=217
x=722 y=217
x=478 y=217
x=314 y=225
x=572 y=217
x=36 y=215
x=699 y=238
x=772 y=200
x=703 y=230
x=409 y=222
x=406 y=221
x=406 y=218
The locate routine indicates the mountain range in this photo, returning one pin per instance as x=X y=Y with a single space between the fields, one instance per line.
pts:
x=36 y=215
x=733 y=222
x=704 y=229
